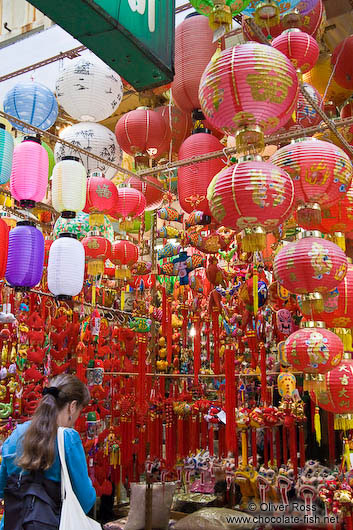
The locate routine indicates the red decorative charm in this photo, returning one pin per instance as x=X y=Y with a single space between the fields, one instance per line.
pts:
x=300 y=48
x=253 y=196
x=130 y=203
x=124 y=255
x=150 y=188
x=194 y=180
x=101 y=198
x=192 y=55
x=97 y=250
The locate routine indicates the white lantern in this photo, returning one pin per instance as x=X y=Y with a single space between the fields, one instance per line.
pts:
x=96 y=139
x=89 y=90
x=66 y=267
x=69 y=184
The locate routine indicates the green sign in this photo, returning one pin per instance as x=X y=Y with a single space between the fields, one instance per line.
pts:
x=134 y=37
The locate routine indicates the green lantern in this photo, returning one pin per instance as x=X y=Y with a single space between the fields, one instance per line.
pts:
x=50 y=157
x=219 y=12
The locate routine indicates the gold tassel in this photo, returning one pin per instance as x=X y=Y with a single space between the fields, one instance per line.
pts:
x=94 y=293
x=309 y=304
x=317 y=425
x=343 y=422
x=96 y=219
x=244 y=447
x=253 y=241
x=346 y=454
x=340 y=240
x=221 y=16
x=95 y=267
x=346 y=337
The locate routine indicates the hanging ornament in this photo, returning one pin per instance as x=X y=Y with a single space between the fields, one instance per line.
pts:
x=130 y=203
x=124 y=255
x=268 y=12
x=101 y=198
x=97 y=250
x=300 y=48
x=6 y=154
x=150 y=188
x=219 y=12
x=80 y=226
x=66 y=267
x=69 y=183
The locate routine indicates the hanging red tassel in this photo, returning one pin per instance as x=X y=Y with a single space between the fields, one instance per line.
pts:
x=301 y=445
x=184 y=312
x=229 y=365
x=284 y=445
x=141 y=378
x=222 y=442
x=180 y=437
x=197 y=350
x=331 y=438
x=254 y=448
x=266 y=447
x=293 y=448
x=278 y=448
x=210 y=439
x=215 y=327
x=204 y=427
x=263 y=373
x=270 y=434
x=169 y=330
x=207 y=333
x=164 y=312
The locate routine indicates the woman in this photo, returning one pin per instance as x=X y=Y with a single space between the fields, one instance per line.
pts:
x=30 y=460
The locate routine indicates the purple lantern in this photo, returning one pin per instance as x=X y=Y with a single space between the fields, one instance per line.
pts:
x=25 y=256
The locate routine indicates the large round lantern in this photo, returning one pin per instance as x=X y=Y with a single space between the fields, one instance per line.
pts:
x=89 y=90
x=310 y=267
x=150 y=188
x=130 y=203
x=219 y=12
x=249 y=90
x=33 y=103
x=142 y=133
x=97 y=250
x=320 y=76
x=307 y=16
x=66 y=267
x=268 y=12
x=96 y=139
x=194 y=180
x=6 y=153
x=252 y=196
x=69 y=182
x=4 y=245
x=194 y=48
x=101 y=198
x=29 y=176
x=341 y=61
x=321 y=174
x=179 y=124
x=313 y=350
x=306 y=115
x=124 y=255
x=25 y=256
x=300 y=48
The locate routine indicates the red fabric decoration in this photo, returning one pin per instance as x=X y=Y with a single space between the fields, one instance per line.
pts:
x=341 y=60
x=142 y=132
x=192 y=55
x=141 y=378
x=197 y=350
x=263 y=373
x=229 y=365
x=215 y=328
x=152 y=195
x=194 y=180
x=47 y=244
x=300 y=48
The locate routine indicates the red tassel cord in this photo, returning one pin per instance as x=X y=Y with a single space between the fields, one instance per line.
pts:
x=164 y=312
x=331 y=438
x=254 y=448
x=210 y=439
x=263 y=373
x=278 y=447
x=204 y=427
x=266 y=439
x=169 y=330
x=230 y=399
x=272 y=457
x=186 y=437
x=302 y=445
x=222 y=442
x=293 y=448
x=180 y=437
x=184 y=312
x=215 y=327
x=284 y=445
x=207 y=333
x=141 y=379
x=197 y=350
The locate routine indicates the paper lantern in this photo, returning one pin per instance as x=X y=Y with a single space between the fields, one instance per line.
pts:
x=150 y=188
x=307 y=16
x=320 y=76
x=268 y=12
x=194 y=180
x=347 y=110
x=142 y=132
x=29 y=176
x=124 y=255
x=80 y=227
x=66 y=267
x=315 y=351
x=4 y=245
x=96 y=139
x=101 y=198
x=341 y=61
x=219 y=12
x=89 y=90
x=6 y=153
x=51 y=158
x=69 y=182
x=25 y=256
x=179 y=125
x=33 y=103
x=306 y=115
x=193 y=51
x=310 y=267
x=97 y=250
x=300 y=48
x=252 y=196
x=130 y=203
x=249 y=90
x=321 y=174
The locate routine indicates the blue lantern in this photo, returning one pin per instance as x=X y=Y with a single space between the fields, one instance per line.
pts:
x=6 y=152
x=33 y=103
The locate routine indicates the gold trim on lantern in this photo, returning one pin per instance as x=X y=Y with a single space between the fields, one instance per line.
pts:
x=309 y=213
x=312 y=301
x=96 y=219
x=253 y=239
x=314 y=383
x=250 y=158
x=267 y=13
x=309 y=233
x=313 y=324
x=221 y=15
x=292 y=19
x=247 y=136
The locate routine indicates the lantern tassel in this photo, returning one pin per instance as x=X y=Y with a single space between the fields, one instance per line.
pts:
x=343 y=422
x=253 y=241
x=346 y=454
x=340 y=240
x=309 y=214
x=96 y=219
x=95 y=267
x=317 y=424
x=221 y=16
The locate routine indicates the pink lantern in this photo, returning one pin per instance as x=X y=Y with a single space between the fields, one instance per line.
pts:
x=29 y=176
x=300 y=48
x=193 y=180
x=130 y=203
x=321 y=174
x=306 y=115
x=249 y=90
x=252 y=196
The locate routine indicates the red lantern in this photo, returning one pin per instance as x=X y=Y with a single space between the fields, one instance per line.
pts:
x=179 y=125
x=300 y=48
x=310 y=266
x=142 y=132
x=97 y=250
x=150 y=188
x=252 y=196
x=101 y=198
x=313 y=350
x=193 y=51
x=341 y=61
x=306 y=115
x=321 y=174
x=347 y=110
x=130 y=203
x=4 y=238
x=194 y=180
x=124 y=255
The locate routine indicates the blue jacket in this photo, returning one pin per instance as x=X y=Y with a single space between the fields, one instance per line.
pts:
x=75 y=461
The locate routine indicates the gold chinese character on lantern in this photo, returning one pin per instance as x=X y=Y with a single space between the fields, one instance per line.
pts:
x=103 y=191
x=93 y=244
x=344 y=380
x=267 y=86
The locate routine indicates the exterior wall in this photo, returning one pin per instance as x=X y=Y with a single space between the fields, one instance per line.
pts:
x=22 y=19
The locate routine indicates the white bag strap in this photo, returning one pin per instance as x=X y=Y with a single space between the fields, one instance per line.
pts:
x=65 y=477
